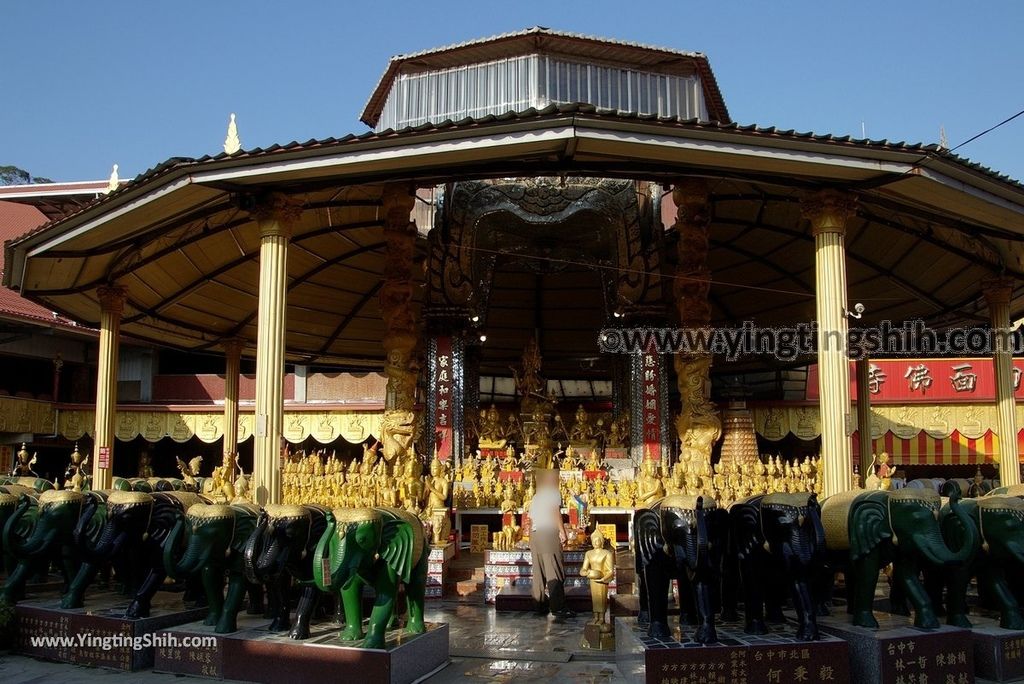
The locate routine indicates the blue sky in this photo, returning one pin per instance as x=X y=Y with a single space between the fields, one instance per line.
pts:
x=84 y=85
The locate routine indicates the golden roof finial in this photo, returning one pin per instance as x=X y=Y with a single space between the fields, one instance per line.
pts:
x=232 y=143
x=113 y=182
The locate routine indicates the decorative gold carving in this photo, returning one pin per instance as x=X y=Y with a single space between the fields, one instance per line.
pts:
x=276 y=214
x=698 y=424
x=828 y=210
x=400 y=329
x=111 y=298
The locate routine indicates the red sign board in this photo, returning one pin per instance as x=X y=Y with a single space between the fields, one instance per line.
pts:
x=443 y=414
x=650 y=409
x=103 y=457
x=906 y=381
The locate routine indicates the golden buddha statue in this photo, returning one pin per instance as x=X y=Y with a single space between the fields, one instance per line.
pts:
x=145 y=465
x=599 y=567
x=649 y=485
x=593 y=462
x=491 y=433
x=582 y=432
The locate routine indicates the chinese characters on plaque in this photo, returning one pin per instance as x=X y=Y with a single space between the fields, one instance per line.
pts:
x=443 y=397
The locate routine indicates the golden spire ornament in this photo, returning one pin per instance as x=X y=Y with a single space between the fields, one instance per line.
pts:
x=232 y=143
x=113 y=182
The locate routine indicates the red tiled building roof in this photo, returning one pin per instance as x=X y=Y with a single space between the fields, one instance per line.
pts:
x=16 y=220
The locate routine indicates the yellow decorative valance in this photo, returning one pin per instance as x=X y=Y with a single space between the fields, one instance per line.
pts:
x=26 y=415
x=208 y=426
x=905 y=421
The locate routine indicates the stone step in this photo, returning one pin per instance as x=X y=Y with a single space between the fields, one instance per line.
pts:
x=464 y=587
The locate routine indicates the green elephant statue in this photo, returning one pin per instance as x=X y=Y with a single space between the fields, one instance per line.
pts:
x=210 y=541
x=378 y=547
x=37 y=533
x=875 y=528
x=999 y=523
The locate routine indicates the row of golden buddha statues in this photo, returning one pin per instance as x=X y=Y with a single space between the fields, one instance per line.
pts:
x=507 y=484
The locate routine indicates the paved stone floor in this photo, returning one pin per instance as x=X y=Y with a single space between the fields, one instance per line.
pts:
x=486 y=646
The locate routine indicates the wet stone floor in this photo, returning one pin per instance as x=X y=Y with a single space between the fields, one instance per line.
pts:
x=485 y=646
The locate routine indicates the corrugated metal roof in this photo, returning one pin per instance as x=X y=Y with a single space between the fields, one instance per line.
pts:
x=539 y=38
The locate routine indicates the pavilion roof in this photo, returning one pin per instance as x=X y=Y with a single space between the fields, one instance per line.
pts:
x=930 y=225
x=541 y=39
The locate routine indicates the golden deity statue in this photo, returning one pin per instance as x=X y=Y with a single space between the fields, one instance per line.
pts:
x=491 y=436
x=23 y=463
x=881 y=472
x=189 y=470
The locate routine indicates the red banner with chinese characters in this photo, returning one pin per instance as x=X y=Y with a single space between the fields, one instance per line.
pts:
x=650 y=410
x=904 y=381
x=443 y=397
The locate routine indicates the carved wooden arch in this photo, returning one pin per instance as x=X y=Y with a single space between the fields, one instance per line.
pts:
x=544 y=224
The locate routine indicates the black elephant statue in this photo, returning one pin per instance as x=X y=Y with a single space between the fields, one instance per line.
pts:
x=778 y=540
x=41 y=532
x=867 y=530
x=9 y=497
x=681 y=537
x=282 y=549
x=136 y=526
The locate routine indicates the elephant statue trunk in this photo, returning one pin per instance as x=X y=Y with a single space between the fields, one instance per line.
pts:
x=36 y=540
x=192 y=559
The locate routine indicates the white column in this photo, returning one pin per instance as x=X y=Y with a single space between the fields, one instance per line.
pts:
x=275 y=219
x=997 y=294
x=828 y=212
x=232 y=370
x=111 y=306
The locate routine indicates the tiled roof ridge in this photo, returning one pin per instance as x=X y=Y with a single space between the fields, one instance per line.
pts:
x=551 y=111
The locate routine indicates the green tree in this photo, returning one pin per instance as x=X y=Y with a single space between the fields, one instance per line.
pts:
x=12 y=175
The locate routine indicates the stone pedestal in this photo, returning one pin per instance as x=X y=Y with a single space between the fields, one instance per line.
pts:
x=596 y=640
x=514 y=569
x=253 y=654
x=738 y=658
x=99 y=635
x=998 y=653
x=437 y=569
x=899 y=652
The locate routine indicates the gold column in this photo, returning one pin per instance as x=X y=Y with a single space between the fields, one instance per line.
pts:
x=997 y=295
x=400 y=330
x=864 y=415
x=828 y=212
x=233 y=359
x=111 y=306
x=275 y=218
x=699 y=426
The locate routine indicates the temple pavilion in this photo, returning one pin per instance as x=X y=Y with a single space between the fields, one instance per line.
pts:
x=514 y=196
